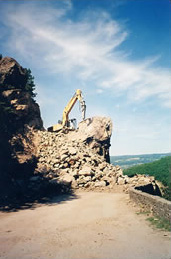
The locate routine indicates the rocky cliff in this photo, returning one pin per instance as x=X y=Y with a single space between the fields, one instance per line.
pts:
x=16 y=97
x=19 y=118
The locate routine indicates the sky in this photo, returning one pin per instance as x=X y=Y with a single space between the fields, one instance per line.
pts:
x=116 y=51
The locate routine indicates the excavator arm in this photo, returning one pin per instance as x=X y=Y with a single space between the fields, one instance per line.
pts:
x=67 y=110
x=71 y=103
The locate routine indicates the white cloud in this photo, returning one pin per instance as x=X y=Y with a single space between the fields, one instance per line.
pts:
x=100 y=91
x=87 y=48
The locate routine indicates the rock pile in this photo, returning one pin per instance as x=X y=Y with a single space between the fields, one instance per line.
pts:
x=63 y=159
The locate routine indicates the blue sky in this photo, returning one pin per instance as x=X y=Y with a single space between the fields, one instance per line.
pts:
x=116 y=51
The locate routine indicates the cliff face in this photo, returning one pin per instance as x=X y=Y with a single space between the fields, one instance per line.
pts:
x=17 y=99
x=12 y=75
x=19 y=118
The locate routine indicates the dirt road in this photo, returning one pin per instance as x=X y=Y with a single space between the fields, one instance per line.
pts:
x=91 y=225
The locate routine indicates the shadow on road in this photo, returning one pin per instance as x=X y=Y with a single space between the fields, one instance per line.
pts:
x=31 y=199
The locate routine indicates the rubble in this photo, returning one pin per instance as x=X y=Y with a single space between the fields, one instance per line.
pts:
x=64 y=158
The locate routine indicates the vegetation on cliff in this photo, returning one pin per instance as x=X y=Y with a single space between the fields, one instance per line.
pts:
x=30 y=85
x=126 y=161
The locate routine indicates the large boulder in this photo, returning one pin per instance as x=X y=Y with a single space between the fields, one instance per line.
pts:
x=96 y=132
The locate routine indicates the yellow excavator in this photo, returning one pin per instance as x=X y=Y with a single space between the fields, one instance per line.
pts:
x=66 y=123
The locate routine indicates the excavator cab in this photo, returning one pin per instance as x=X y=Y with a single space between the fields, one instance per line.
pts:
x=66 y=123
x=73 y=124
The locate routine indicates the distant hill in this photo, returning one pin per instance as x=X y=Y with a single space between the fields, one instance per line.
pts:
x=160 y=169
x=132 y=160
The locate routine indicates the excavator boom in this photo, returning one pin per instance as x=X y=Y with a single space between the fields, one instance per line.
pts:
x=67 y=110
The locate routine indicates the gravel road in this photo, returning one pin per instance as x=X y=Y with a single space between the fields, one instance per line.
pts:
x=87 y=226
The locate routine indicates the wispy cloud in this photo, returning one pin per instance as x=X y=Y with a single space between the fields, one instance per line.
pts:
x=86 y=47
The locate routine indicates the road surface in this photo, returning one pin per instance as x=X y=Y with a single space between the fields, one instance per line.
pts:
x=87 y=226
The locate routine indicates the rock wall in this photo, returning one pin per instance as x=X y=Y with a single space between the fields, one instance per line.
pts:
x=155 y=204
x=25 y=111
x=12 y=75
x=19 y=119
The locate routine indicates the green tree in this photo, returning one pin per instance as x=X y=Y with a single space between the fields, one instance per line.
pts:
x=160 y=169
x=30 y=85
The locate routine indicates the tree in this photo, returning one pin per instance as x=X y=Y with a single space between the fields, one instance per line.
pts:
x=30 y=85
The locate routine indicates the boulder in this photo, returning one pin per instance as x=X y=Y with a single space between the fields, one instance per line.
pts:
x=121 y=181
x=102 y=166
x=86 y=170
x=66 y=179
x=87 y=178
x=100 y=184
x=72 y=151
x=63 y=157
x=96 y=132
